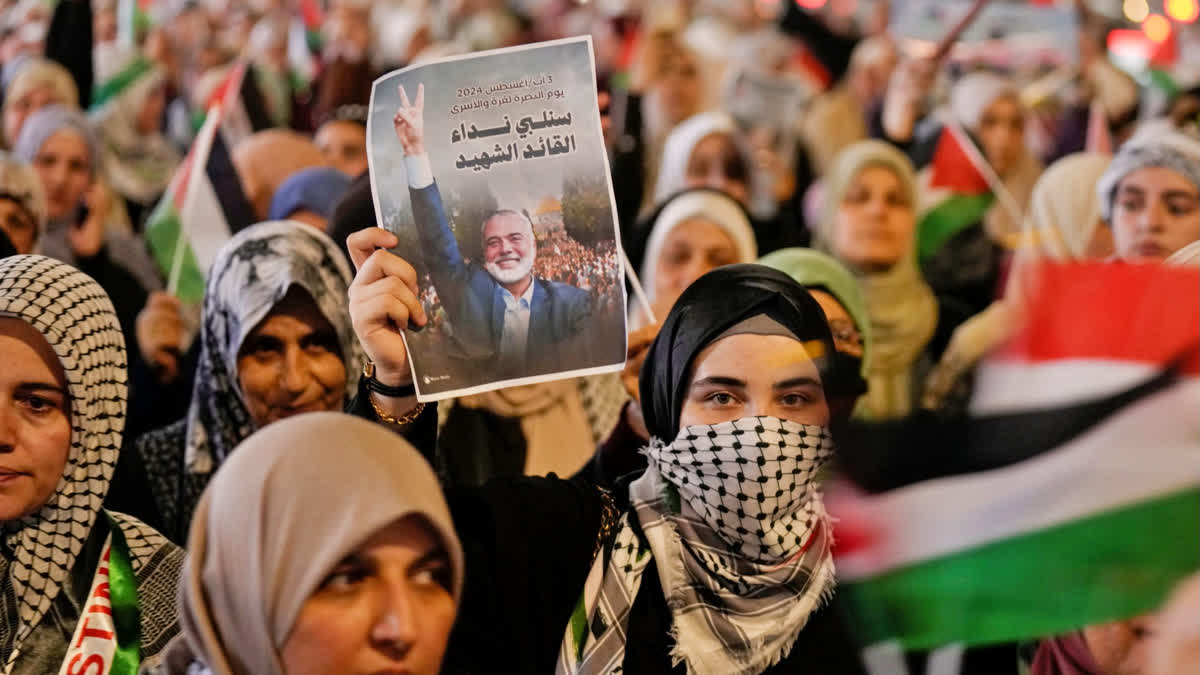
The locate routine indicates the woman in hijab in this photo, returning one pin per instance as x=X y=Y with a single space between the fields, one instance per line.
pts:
x=309 y=195
x=837 y=291
x=62 y=395
x=692 y=232
x=275 y=340
x=870 y=226
x=22 y=204
x=58 y=142
x=667 y=87
x=965 y=264
x=681 y=570
x=127 y=115
x=39 y=83
x=1150 y=194
x=365 y=578
x=266 y=159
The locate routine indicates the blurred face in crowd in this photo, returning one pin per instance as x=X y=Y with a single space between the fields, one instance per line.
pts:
x=1156 y=212
x=386 y=607
x=344 y=144
x=874 y=224
x=509 y=248
x=755 y=375
x=104 y=25
x=717 y=163
x=65 y=167
x=19 y=109
x=35 y=424
x=291 y=363
x=690 y=250
x=151 y=115
x=846 y=338
x=1002 y=133
x=1120 y=648
x=676 y=87
x=18 y=224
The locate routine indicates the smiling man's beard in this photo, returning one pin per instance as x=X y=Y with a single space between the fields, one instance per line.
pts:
x=510 y=276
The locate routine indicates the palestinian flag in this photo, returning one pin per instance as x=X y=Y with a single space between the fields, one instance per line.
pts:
x=203 y=206
x=313 y=17
x=955 y=195
x=1070 y=495
x=243 y=108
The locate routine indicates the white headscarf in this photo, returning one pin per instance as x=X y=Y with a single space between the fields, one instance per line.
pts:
x=1064 y=210
x=678 y=148
x=710 y=206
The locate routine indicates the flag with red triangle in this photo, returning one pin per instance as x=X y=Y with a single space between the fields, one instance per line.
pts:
x=955 y=195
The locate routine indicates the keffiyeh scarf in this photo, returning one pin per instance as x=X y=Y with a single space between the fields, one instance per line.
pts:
x=734 y=523
x=252 y=273
x=76 y=317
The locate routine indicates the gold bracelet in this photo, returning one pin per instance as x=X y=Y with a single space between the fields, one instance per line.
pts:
x=407 y=418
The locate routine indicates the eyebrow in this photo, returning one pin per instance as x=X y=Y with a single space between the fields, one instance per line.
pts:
x=797 y=382
x=720 y=381
x=1176 y=194
x=41 y=386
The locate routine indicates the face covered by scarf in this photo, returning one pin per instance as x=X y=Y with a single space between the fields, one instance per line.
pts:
x=253 y=271
x=76 y=318
x=729 y=513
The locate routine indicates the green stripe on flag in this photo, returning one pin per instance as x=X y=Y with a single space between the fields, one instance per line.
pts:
x=1112 y=565
x=162 y=235
x=951 y=216
x=104 y=91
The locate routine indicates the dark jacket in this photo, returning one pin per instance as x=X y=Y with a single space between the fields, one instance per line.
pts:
x=474 y=302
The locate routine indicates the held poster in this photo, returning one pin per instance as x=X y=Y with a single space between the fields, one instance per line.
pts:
x=491 y=169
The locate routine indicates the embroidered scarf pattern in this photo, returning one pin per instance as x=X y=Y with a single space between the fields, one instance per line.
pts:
x=735 y=526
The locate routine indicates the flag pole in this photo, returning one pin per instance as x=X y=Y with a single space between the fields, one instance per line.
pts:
x=196 y=171
x=989 y=174
x=638 y=291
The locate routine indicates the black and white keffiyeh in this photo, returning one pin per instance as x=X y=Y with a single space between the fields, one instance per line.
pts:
x=251 y=274
x=77 y=319
x=733 y=520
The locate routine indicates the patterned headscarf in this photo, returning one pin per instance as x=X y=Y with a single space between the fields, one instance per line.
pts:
x=251 y=274
x=77 y=319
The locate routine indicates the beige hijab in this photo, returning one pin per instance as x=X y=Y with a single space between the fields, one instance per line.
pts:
x=901 y=306
x=286 y=507
x=558 y=437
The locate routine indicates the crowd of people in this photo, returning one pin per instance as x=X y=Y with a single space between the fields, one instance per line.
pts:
x=242 y=481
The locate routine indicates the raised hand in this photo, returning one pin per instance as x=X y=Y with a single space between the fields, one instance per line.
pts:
x=160 y=335
x=383 y=297
x=409 y=122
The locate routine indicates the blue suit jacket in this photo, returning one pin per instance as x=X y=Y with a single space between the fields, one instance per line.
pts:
x=474 y=302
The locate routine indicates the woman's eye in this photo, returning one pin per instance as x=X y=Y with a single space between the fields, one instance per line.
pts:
x=793 y=400
x=40 y=404
x=344 y=579
x=721 y=398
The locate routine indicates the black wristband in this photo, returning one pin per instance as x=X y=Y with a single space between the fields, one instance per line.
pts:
x=378 y=387
x=394 y=392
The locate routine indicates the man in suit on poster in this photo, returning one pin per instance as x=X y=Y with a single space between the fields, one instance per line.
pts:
x=502 y=314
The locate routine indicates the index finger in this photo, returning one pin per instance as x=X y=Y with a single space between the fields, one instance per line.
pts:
x=363 y=243
x=404 y=97
x=421 y=95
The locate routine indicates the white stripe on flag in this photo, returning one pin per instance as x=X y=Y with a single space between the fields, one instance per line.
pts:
x=1146 y=451
x=208 y=229
x=1005 y=386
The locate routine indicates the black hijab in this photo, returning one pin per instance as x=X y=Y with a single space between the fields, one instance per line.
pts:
x=713 y=304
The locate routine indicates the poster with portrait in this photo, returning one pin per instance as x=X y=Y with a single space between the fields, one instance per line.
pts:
x=491 y=170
